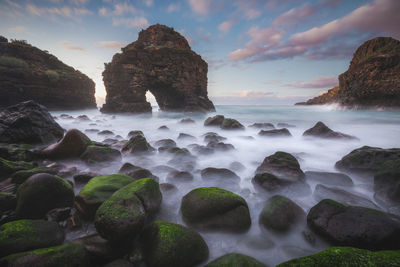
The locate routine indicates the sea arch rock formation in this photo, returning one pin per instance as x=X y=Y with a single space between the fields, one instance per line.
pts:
x=162 y=62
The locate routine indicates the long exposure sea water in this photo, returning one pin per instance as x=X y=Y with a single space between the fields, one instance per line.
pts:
x=372 y=128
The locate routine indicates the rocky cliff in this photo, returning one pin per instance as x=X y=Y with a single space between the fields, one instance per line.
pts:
x=162 y=62
x=372 y=80
x=28 y=73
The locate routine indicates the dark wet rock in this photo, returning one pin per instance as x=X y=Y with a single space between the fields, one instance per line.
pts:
x=367 y=159
x=122 y=217
x=183 y=162
x=163 y=128
x=137 y=144
x=214 y=208
x=187 y=120
x=183 y=136
x=24 y=235
x=140 y=173
x=162 y=169
x=237 y=166
x=220 y=146
x=263 y=125
x=174 y=151
x=283 y=165
x=84 y=177
x=82 y=118
x=21 y=176
x=98 y=190
x=41 y=193
x=179 y=176
x=321 y=192
x=8 y=167
x=162 y=62
x=167 y=244
x=235 y=259
x=329 y=178
x=127 y=167
x=72 y=145
x=92 y=130
x=388 y=175
x=134 y=133
x=219 y=174
x=270 y=183
x=96 y=154
x=106 y=132
x=7 y=202
x=213 y=137
x=346 y=256
x=280 y=214
x=285 y=125
x=214 y=121
x=66 y=117
x=119 y=263
x=18 y=152
x=275 y=133
x=322 y=131
x=167 y=188
x=309 y=237
x=231 y=124
x=109 y=141
x=165 y=143
x=58 y=214
x=28 y=123
x=68 y=172
x=354 y=226
x=68 y=255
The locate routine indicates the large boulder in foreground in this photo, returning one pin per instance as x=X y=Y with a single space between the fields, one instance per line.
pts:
x=235 y=259
x=28 y=73
x=167 y=244
x=162 y=62
x=355 y=226
x=347 y=256
x=29 y=123
x=214 y=208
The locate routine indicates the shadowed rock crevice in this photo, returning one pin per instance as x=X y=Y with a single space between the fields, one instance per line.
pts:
x=161 y=62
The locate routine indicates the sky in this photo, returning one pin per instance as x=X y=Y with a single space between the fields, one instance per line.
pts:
x=258 y=51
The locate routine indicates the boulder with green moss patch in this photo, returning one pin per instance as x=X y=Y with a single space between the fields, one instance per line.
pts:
x=8 y=167
x=68 y=255
x=41 y=193
x=235 y=260
x=215 y=208
x=123 y=215
x=98 y=190
x=21 y=176
x=280 y=214
x=347 y=257
x=24 y=235
x=167 y=244
x=231 y=124
x=95 y=154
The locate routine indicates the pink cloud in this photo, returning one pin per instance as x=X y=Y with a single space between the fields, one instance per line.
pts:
x=252 y=94
x=57 y=11
x=294 y=15
x=226 y=25
x=201 y=7
x=318 y=82
x=139 y=22
x=173 y=7
x=118 y=10
x=110 y=44
x=69 y=46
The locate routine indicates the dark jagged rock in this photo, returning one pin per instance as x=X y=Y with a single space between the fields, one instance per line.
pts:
x=372 y=79
x=322 y=131
x=329 y=178
x=28 y=73
x=283 y=165
x=28 y=123
x=8 y=167
x=214 y=121
x=235 y=259
x=263 y=125
x=137 y=144
x=162 y=62
x=213 y=137
x=231 y=124
x=275 y=133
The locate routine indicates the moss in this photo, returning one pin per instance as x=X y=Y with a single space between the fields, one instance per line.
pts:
x=21 y=176
x=347 y=257
x=215 y=194
x=16 y=165
x=13 y=62
x=52 y=75
x=281 y=156
x=235 y=260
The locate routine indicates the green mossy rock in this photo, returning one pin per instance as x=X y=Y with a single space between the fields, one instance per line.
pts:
x=69 y=255
x=283 y=165
x=167 y=244
x=98 y=190
x=280 y=214
x=123 y=215
x=347 y=257
x=24 y=235
x=235 y=260
x=214 y=208
x=21 y=176
x=8 y=167
x=95 y=154
x=41 y=193
x=17 y=152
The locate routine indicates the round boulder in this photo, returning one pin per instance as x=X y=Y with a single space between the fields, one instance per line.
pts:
x=235 y=259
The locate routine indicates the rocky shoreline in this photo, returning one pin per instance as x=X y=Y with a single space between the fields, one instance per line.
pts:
x=53 y=214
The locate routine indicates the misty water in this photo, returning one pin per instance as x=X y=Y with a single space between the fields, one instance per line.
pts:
x=373 y=128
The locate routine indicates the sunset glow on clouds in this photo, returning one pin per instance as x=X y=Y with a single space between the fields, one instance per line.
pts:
x=300 y=45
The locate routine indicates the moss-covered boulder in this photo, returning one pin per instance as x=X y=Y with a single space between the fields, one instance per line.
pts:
x=215 y=209
x=137 y=144
x=167 y=244
x=8 y=167
x=367 y=159
x=7 y=201
x=347 y=257
x=282 y=165
x=41 y=193
x=354 y=226
x=219 y=175
x=24 y=235
x=280 y=214
x=69 y=255
x=72 y=145
x=235 y=260
x=98 y=190
x=123 y=215
x=21 y=176
x=95 y=154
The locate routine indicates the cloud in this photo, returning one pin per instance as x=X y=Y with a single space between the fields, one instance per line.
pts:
x=139 y=22
x=64 y=11
x=13 y=4
x=201 y=7
x=118 y=10
x=17 y=29
x=252 y=94
x=226 y=25
x=318 y=82
x=82 y=11
x=148 y=3
x=203 y=35
x=173 y=7
x=80 y=2
x=110 y=44
x=69 y=46
x=294 y=15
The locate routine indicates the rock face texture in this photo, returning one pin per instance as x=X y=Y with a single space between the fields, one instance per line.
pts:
x=372 y=79
x=28 y=73
x=161 y=62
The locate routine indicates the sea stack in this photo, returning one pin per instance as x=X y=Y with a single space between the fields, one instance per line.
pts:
x=162 y=62
x=28 y=73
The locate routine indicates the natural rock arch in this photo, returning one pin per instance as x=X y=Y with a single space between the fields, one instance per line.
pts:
x=161 y=62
